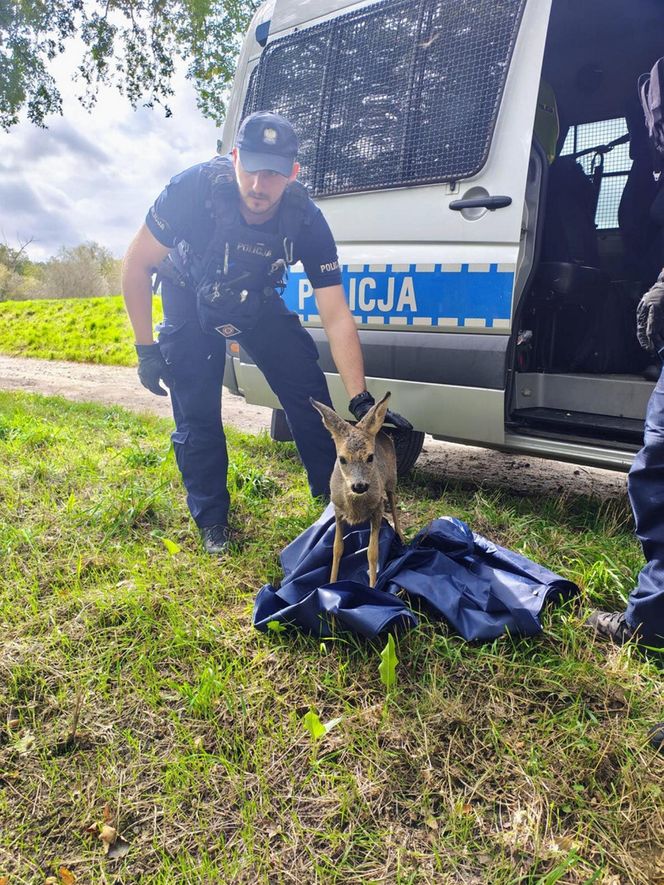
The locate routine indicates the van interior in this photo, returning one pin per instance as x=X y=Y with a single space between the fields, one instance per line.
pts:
x=593 y=238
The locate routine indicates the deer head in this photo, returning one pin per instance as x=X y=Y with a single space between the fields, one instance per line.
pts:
x=356 y=448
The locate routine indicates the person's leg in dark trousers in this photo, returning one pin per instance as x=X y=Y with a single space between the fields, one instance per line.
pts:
x=287 y=356
x=197 y=364
x=645 y=483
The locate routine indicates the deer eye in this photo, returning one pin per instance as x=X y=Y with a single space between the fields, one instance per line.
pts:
x=342 y=460
x=369 y=459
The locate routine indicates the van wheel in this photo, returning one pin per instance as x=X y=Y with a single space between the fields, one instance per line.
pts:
x=279 y=429
x=407 y=445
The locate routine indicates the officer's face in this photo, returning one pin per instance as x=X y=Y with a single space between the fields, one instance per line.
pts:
x=261 y=191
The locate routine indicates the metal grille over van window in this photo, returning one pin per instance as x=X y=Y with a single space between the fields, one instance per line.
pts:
x=249 y=98
x=617 y=163
x=397 y=93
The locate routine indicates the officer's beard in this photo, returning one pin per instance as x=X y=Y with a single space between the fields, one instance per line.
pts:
x=261 y=212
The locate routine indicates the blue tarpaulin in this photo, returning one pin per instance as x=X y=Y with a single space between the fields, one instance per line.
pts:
x=480 y=589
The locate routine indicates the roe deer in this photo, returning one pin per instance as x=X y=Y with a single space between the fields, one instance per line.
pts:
x=364 y=476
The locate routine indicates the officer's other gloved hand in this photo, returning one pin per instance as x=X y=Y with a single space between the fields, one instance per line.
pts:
x=650 y=317
x=152 y=368
x=360 y=405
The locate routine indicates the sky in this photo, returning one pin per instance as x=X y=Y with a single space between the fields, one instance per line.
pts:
x=93 y=176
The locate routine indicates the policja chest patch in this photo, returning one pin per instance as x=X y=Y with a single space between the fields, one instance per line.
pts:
x=227 y=330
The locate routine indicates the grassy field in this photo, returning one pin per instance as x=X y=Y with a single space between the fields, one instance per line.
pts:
x=138 y=696
x=83 y=330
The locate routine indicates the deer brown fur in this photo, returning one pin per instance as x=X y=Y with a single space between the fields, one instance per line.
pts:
x=363 y=479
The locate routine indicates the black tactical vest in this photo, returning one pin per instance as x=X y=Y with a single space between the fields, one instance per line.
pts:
x=242 y=267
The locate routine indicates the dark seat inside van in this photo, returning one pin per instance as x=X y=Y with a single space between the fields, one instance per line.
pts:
x=569 y=284
x=569 y=234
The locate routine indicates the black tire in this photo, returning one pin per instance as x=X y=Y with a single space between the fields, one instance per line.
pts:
x=407 y=445
x=279 y=429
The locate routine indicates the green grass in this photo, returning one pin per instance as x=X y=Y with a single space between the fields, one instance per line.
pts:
x=520 y=761
x=82 y=330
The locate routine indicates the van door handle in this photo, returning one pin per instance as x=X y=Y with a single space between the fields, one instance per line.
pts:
x=488 y=202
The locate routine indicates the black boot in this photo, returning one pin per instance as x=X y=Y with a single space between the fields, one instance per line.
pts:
x=611 y=625
x=656 y=736
x=216 y=539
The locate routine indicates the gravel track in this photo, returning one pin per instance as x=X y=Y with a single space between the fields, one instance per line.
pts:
x=119 y=385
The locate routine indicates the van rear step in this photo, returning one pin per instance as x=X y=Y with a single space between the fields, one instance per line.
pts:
x=580 y=424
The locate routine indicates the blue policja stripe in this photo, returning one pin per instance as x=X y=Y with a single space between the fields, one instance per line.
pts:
x=407 y=294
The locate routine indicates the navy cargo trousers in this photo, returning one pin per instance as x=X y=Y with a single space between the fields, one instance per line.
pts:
x=287 y=356
x=645 y=483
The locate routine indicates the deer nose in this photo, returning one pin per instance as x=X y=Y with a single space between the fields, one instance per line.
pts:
x=360 y=487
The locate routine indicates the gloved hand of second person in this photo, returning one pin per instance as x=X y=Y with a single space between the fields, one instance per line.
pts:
x=152 y=368
x=360 y=405
x=650 y=317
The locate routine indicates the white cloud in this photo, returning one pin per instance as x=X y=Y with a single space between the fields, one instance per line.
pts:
x=93 y=176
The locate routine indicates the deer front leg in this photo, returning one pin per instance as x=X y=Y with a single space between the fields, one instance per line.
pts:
x=394 y=510
x=338 y=548
x=372 y=552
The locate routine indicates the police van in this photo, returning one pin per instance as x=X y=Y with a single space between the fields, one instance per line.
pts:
x=485 y=168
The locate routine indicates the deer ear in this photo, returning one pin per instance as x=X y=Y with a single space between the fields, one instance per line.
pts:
x=336 y=425
x=373 y=420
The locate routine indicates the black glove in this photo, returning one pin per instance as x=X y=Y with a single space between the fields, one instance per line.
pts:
x=650 y=317
x=152 y=368
x=360 y=405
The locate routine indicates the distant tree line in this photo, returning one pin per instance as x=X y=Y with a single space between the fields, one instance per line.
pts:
x=84 y=271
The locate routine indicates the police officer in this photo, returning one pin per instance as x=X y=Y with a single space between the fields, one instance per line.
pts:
x=222 y=234
x=643 y=620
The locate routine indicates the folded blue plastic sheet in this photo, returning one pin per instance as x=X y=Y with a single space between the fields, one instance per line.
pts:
x=480 y=589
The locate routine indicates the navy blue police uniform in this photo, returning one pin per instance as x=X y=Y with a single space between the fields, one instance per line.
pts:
x=645 y=484
x=221 y=281
x=644 y=616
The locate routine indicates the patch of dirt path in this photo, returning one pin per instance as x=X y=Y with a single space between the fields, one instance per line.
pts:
x=119 y=385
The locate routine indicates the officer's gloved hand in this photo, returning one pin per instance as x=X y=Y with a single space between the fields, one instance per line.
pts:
x=152 y=368
x=650 y=317
x=360 y=405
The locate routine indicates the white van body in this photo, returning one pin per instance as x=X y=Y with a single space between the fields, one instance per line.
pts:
x=457 y=313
